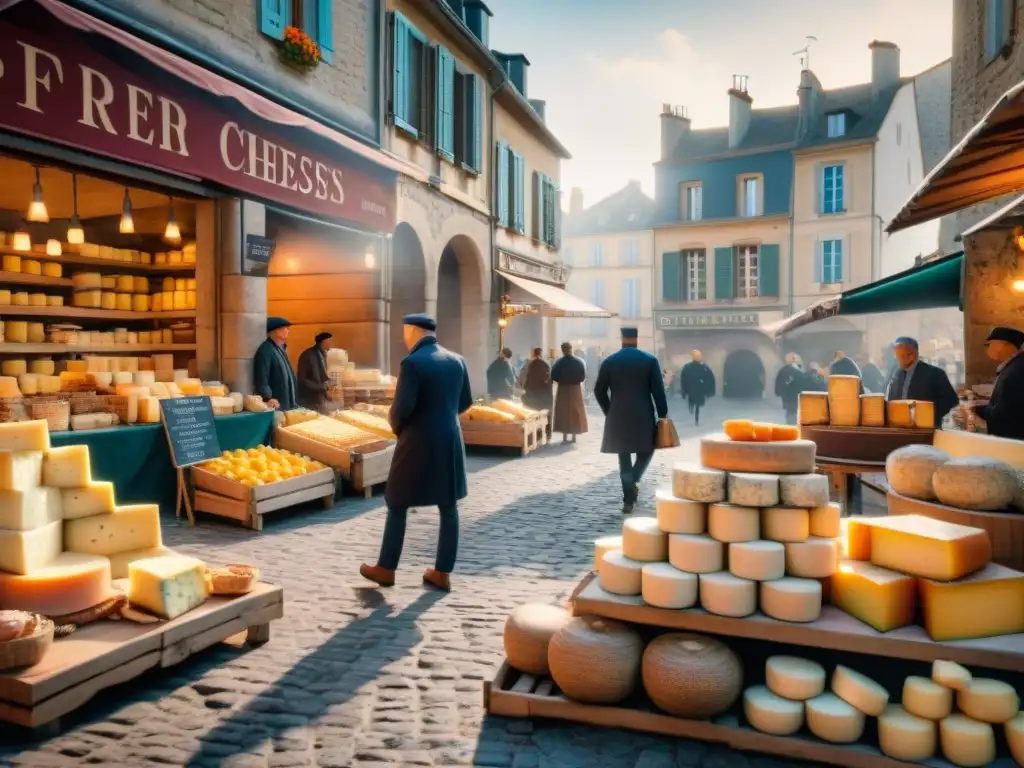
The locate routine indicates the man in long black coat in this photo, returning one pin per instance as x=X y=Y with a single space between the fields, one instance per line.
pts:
x=273 y=377
x=1004 y=413
x=429 y=465
x=696 y=384
x=314 y=382
x=917 y=380
x=631 y=394
x=789 y=383
x=501 y=379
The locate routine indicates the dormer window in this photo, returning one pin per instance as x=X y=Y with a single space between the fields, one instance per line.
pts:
x=836 y=125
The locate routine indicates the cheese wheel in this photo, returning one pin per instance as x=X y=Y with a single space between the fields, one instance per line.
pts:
x=806 y=491
x=832 y=719
x=812 y=559
x=43 y=367
x=813 y=408
x=36 y=333
x=28 y=383
x=679 y=515
x=904 y=736
x=772 y=714
x=750 y=490
x=825 y=521
x=619 y=574
x=793 y=456
x=13 y=367
x=695 y=553
x=900 y=413
x=794 y=678
x=859 y=691
x=909 y=470
x=989 y=701
x=12 y=263
x=728 y=523
x=723 y=594
x=604 y=545
x=924 y=414
x=781 y=432
x=37 y=299
x=950 y=674
x=31 y=267
x=691 y=676
x=872 y=410
x=527 y=634
x=20 y=298
x=70 y=583
x=975 y=483
x=785 y=524
x=643 y=540
x=966 y=742
x=595 y=660
x=925 y=698
x=698 y=484
x=55 y=301
x=665 y=586
x=1015 y=738
x=791 y=599
x=757 y=560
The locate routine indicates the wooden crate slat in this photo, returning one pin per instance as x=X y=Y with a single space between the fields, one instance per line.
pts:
x=295 y=498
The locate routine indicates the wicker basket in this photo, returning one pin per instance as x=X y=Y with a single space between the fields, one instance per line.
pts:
x=13 y=409
x=56 y=412
x=87 y=402
x=118 y=405
x=27 y=651
x=232 y=579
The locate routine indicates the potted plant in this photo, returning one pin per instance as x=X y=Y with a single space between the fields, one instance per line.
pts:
x=299 y=50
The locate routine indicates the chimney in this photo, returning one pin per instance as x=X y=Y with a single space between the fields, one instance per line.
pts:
x=575 y=201
x=885 y=66
x=808 y=95
x=538 y=106
x=515 y=66
x=739 y=110
x=477 y=16
x=675 y=124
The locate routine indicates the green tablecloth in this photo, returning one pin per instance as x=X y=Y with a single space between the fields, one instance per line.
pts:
x=138 y=460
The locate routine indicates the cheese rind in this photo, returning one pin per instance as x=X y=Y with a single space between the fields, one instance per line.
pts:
x=882 y=599
x=643 y=540
x=167 y=586
x=927 y=548
x=67 y=467
x=723 y=594
x=127 y=528
x=904 y=736
x=785 y=524
x=791 y=599
x=925 y=698
x=25 y=436
x=812 y=559
x=619 y=574
x=22 y=552
x=680 y=515
x=96 y=498
x=698 y=483
x=794 y=678
x=975 y=483
x=806 y=491
x=757 y=560
x=753 y=490
x=665 y=586
x=728 y=523
x=69 y=583
x=772 y=714
x=966 y=742
x=793 y=456
x=119 y=563
x=832 y=719
x=989 y=701
x=695 y=553
x=859 y=691
x=32 y=508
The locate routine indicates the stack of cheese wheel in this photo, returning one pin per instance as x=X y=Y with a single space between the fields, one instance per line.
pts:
x=844 y=401
x=778 y=706
x=970 y=482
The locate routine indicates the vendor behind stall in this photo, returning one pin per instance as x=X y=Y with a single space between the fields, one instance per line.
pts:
x=313 y=381
x=273 y=378
x=917 y=380
x=1004 y=413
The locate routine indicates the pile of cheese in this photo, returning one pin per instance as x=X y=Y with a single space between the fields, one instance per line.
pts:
x=844 y=406
x=381 y=411
x=520 y=412
x=128 y=293
x=487 y=414
x=261 y=465
x=368 y=422
x=63 y=539
x=333 y=433
x=745 y=431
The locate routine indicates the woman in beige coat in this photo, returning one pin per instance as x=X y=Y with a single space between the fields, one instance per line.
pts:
x=569 y=373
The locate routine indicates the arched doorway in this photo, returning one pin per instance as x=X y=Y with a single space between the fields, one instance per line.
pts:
x=460 y=311
x=408 y=286
x=743 y=375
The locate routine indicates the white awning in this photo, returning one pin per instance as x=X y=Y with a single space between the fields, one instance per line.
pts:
x=555 y=301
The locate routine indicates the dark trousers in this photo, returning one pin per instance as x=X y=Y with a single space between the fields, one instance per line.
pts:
x=696 y=414
x=394 y=539
x=790 y=414
x=631 y=472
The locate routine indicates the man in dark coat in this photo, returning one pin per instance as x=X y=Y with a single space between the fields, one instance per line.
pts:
x=843 y=366
x=429 y=465
x=696 y=384
x=631 y=394
x=501 y=379
x=537 y=383
x=312 y=374
x=1004 y=413
x=917 y=380
x=789 y=383
x=814 y=379
x=273 y=377
x=569 y=373
x=872 y=377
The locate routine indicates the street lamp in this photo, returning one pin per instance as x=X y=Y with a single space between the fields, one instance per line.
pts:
x=506 y=311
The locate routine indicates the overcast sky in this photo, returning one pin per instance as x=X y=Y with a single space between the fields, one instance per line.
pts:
x=605 y=67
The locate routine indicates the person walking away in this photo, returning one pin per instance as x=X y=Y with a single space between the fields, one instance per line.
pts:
x=313 y=381
x=429 y=465
x=696 y=384
x=569 y=373
x=273 y=377
x=788 y=385
x=631 y=394
x=501 y=379
x=1004 y=413
x=872 y=376
x=537 y=383
x=917 y=380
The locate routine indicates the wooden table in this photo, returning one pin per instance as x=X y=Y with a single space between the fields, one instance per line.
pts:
x=846 y=481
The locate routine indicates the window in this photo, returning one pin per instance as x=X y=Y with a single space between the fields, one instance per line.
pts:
x=547 y=210
x=468 y=121
x=695 y=263
x=751 y=201
x=311 y=16
x=410 y=92
x=693 y=202
x=831 y=261
x=598 y=325
x=502 y=184
x=596 y=255
x=832 y=189
x=630 y=252
x=630 y=299
x=746 y=272
x=998 y=27
x=836 y=125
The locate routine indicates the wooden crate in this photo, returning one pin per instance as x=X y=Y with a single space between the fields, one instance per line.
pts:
x=363 y=467
x=525 y=436
x=106 y=653
x=228 y=498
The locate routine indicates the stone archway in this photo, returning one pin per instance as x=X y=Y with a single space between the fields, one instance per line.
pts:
x=743 y=375
x=462 y=316
x=408 y=286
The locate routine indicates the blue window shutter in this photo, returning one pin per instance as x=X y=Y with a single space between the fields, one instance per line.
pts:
x=844 y=260
x=724 y=288
x=501 y=182
x=325 y=29
x=275 y=15
x=540 y=189
x=519 y=184
x=671 y=276
x=445 y=104
x=819 y=261
x=768 y=270
x=840 y=206
x=400 y=73
x=556 y=225
x=475 y=107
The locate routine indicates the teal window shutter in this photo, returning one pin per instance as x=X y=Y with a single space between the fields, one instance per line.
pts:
x=820 y=258
x=275 y=15
x=671 y=276
x=556 y=222
x=724 y=287
x=519 y=187
x=445 y=106
x=400 y=74
x=501 y=185
x=325 y=29
x=540 y=188
x=768 y=270
x=476 y=122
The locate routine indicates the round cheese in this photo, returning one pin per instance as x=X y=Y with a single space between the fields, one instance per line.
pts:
x=68 y=584
x=643 y=540
x=698 y=483
x=812 y=559
x=695 y=553
x=832 y=719
x=794 y=678
x=794 y=456
x=925 y=698
x=813 y=408
x=728 y=523
x=528 y=630
x=807 y=491
x=680 y=515
x=619 y=574
x=859 y=691
x=604 y=545
x=1015 y=738
x=691 y=676
x=789 y=599
x=757 y=560
x=990 y=701
x=752 y=490
x=966 y=742
x=909 y=470
x=772 y=714
x=665 y=586
x=785 y=524
x=723 y=594
x=904 y=736
x=872 y=410
x=950 y=674
x=825 y=521
x=595 y=660
x=975 y=482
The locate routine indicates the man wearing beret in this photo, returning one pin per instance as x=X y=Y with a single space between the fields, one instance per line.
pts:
x=1004 y=413
x=312 y=374
x=915 y=379
x=273 y=378
x=429 y=465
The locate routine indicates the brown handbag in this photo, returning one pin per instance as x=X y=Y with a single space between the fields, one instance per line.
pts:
x=666 y=435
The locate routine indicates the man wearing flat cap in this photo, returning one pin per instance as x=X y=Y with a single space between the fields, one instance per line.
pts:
x=429 y=465
x=915 y=379
x=312 y=374
x=631 y=393
x=273 y=378
x=1004 y=413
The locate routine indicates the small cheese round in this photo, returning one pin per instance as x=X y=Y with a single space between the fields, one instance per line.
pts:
x=925 y=698
x=812 y=559
x=728 y=523
x=785 y=524
x=665 y=586
x=604 y=545
x=790 y=599
x=680 y=515
x=528 y=630
x=904 y=736
x=806 y=491
x=975 y=482
x=1015 y=738
x=794 y=678
x=859 y=691
x=723 y=594
x=990 y=701
x=757 y=560
x=619 y=574
x=909 y=470
x=695 y=553
x=966 y=742
x=772 y=714
x=698 y=484
x=751 y=490
x=825 y=521
x=832 y=719
x=950 y=674
x=643 y=540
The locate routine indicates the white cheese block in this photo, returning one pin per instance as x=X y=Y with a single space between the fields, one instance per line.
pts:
x=695 y=553
x=29 y=509
x=22 y=552
x=728 y=523
x=127 y=528
x=812 y=559
x=785 y=524
x=950 y=674
x=680 y=515
x=832 y=719
x=604 y=545
x=923 y=697
x=772 y=714
x=96 y=498
x=813 y=408
x=905 y=736
x=872 y=410
x=794 y=678
x=825 y=521
x=959 y=444
x=123 y=377
x=990 y=701
x=180 y=374
x=698 y=484
x=67 y=467
x=1015 y=738
x=723 y=594
x=757 y=560
x=859 y=691
x=144 y=378
x=20 y=470
x=806 y=491
x=967 y=743
x=975 y=483
x=643 y=540
x=665 y=586
x=25 y=436
x=791 y=599
x=750 y=490
x=620 y=575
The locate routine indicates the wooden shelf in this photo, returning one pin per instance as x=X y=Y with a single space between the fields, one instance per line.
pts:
x=123 y=266
x=11 y=348
x=18 y=278
x=82 y=313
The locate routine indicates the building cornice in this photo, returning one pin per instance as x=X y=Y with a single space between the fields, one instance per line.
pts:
x=718 y=223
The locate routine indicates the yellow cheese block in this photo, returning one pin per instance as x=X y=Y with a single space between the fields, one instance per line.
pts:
x=900 y=413
x=123 y=301
x=149 y=410
x=55 y=301
x=31 y=267
x=19 y=298
x=145 y=363
x=90 y=299
x=108 y=300
x=94 y=498
x=174 y=257
x=156 y=302
x=36 y=333
x=140 y=285
x=52 y=269
x=124 y=284
x=127 y=528
x=13 y=367
x=188 y=253
x=146 y=258
x=190 y=284
x=12 y=263
x=68 y=584
x=987 y=603
x=49 y=385
x=190 y=300
x=140 y=303
x=927 y=548
x=167 y=586
x=108 y=283
x=37 y=299
x=167 y=284
x=214 y=389
x=881 y=598
x=924 y=414
x=168 y=301
x=67 y=467
x=5 y=296
x=9 y=387
x=70 y=380
x=180 y=284
x=76 y=366
x=28 y=383
x=23 y=552
x=190 y=386
x=16 y=331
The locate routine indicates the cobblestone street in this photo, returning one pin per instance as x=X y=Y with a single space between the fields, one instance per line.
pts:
x=355 y=676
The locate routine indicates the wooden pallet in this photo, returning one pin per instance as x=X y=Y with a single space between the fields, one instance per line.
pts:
x=227 y=498
x=106 y=653
x=525 y=436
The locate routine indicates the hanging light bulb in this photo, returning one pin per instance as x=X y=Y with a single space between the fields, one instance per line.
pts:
x=127 y=224
x=172 y=232
x=53 y=247
x=37 y=208
x=369 y=259
x=76 y=235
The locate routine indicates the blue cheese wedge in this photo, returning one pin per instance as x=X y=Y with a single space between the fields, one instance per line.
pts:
x=167 y=586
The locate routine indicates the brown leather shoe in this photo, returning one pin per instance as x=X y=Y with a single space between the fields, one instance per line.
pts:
x=380 y=576
x=437 y=579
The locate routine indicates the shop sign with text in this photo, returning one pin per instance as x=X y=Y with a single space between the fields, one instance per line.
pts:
x=669 y=320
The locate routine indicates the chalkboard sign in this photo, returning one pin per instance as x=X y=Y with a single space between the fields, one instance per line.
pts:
x=190 y=428
x=257 y=255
